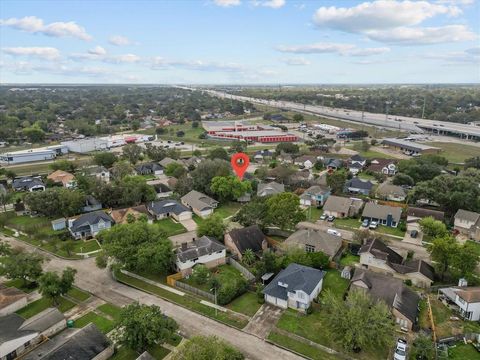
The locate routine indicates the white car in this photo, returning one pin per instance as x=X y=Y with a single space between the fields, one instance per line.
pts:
x=373 y=225
x=334 y=232
x=401 y=350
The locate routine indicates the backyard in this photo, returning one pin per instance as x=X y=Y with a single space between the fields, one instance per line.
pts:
x=224 y=274
x=170 y=227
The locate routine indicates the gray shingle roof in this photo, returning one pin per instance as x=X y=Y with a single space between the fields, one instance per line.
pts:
x=324 y=242
x=43 y=320
x=359 y=184
x=271 y=188
x=466 y=215
x=89 y=219
x=297 y=277
x=198 y=200
x=338 y=204
x=250 y=237
x=377 y=211
x=26 y=183
x=200 y=247
x=166 y=206
x=421 y=213
x=148 y=167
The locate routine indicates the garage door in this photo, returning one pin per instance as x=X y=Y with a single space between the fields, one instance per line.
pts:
x=184 y=216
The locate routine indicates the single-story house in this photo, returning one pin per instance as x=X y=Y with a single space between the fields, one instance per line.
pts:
x=205 y=250
x=312 y=240
x=28 y=183
x=378 y=257
x=315 y=195
x=199 y=203
x=263 y=155
x=383 y=166
x=100 y=172
x=294 y=287
x=19 y=336
x=11 y=300
x=167 y=161
x=387 y=191
x=125 y=215
x=306 y=161
x=271 y=188
x=333 y=164
x=91 y=204
x=250 y=237
x=149 y=168
x=62 y=177
x=341 y=207
x=468 y=223
x=89 y=224
x=383 y=214
x=162 y=209
x=402 y=301
x=358 y=186
x=162 y=190
x=466 y=298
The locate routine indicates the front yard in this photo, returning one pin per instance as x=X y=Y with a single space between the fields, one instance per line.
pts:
x=347 y=223
x=104 y=325
x=170 y=227
x=246 y=304
x=41 y=304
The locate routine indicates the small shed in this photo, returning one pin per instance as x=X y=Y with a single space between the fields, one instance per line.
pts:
x=347 y=272
x=266 y=278
x=59 y=224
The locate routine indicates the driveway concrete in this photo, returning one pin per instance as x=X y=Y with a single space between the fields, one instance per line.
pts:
x=177 y=240
x=100 y=283
x=189 y=224
x=264 y=321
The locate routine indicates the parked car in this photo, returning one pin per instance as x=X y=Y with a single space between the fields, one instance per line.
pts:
x=323 y=217
x=414 y=234
x=331 y=218
x=334 y=232
x=365 y=223
x=401 y=350
x=373 y=225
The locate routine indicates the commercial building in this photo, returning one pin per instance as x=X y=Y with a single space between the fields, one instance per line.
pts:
x=410 y=147
x=86 y=145
x=31 y=155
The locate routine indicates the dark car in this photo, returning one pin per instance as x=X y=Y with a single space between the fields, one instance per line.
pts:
x=414 y=234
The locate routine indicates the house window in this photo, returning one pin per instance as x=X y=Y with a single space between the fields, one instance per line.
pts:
x=300 y=295
x=309 y=248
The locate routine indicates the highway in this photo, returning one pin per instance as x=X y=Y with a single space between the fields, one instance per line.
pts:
x=402 y=123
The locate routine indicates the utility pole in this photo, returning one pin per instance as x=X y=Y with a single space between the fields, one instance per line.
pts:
x=424 y=103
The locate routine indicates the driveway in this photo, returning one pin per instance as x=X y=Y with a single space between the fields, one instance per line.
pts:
x=100 y=283
x=189 y=224
x=264 y=321
x=177 y=240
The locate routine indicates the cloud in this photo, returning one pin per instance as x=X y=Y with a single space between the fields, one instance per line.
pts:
x=125 y=58
x=160 y=63
x=380 y=15
x=474 y=50
x=467 y=56
x=274 y=4
x=119 y=40
x=424 y=36
x=298 y=61
x=227 y=3
x=46 y=53
x=97 y=50
x=100 y=54
x=319 y=48
x=32 y=24
x=368 y=51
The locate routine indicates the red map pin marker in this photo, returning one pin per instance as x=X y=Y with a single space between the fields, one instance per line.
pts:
x=240 y=163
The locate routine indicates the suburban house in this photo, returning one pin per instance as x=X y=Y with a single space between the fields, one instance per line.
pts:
x=306 y=161
x=239 y=240
x=285 y=158
x=11 y=300
x=415 y=214
x=199 y=203
x=333 y=164
x=387 y=191
x=358 y=186
x=355 y=168
x=18 y=335
x=341 y=207
x=294 y=287
x=205 y=251
x=28 y=183
x=383 y=214
x=315 y=195
x=402 y=301
x=378 y=257
x=383 y=166
x=167 y=161
x=150 y=168
x=263 y=155
x=100 y=172
x=357 y=159
x=74 y=344
x=468 y=223
x=91 y=204
x=312 y=240
x=62 y=177
x=271 y=188
x=162 y=190
x=126 y=215
x=162 y=209
x=89 y=225
x=466 y=299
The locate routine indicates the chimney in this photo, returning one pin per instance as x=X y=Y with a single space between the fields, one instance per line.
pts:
x=462 y=282
x=184 y=246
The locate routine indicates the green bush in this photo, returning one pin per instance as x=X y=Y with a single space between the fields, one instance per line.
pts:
x=408 y=282
x=230 y=290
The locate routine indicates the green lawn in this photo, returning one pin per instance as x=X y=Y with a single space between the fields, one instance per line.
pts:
x=313 y=214
x=170 y=227
x=158 y=352
x=110 y=309
x=85 y=246
x=199 y=220
x=124 y=353
x=349 y=259
x=41 y=304
x=223 y=273
x=347 y=223
x=191 y=134
x=334 y=282
x=104 y=325
x=227 y=209
x=304 y=349
x=187 y=301
x=19 y=284
x=246 y=304
x=463 y=351
x=390 y=230
x=371 y=154
x=365 y=176
x=78 y=294
x=456 y=153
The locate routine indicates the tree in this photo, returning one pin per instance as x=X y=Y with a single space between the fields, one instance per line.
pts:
x=403 y=179
x=433 y=228
x=139 y=246
x=207 y=348
x=204 y=173
x=442 y=251
x=5 y=249
x=364 y=323
x=319 y=260
x=336 y=181
x=175 y=169
x=464 y=260
x=295 y=255
x=286 y=147
x=363 y=146
x=64 y=165
x=473 y=162
x=195 y=124
x=252 y=213
x=218 y=153
x=53 y=286
x=143 y=326
x=105 y=158
x=212 y=226
x=5 y=198
x=183 y=185
x=283 y=210
x=298 y=118
x=121 y=169
x=423 y=348
x=56 y=201
x=132 y=152
x=200 y=274
x=230 y=187
x=155 y=153
x=24 y=266
x=248 y=257
x=135 y=191
x=34 y=134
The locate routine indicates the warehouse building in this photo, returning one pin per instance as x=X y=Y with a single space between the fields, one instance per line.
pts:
x=86 y=145
x=31 y=155
x=410 y=147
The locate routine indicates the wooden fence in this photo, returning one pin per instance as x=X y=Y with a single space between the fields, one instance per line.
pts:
x=195 y=290
x=241 y=268
x=172 y=279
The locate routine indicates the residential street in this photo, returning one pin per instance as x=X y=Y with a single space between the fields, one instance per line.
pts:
x=101 y=284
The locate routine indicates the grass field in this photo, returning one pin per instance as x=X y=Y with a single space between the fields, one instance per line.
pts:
x=78 y=295
x=104 y=325
x=300 y=347
x=349 y=259
x=228 y=209
x=110 y=309
x=170 y=227
x=41 y=304
x=347 y=223
x=463 y=351
x=456 y=153
x=246 y=304
x=223 y=273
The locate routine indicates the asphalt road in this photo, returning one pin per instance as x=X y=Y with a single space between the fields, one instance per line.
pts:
x=100 y=283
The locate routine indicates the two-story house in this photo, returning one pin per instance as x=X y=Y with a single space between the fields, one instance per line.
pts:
x=467 y=299
x=315 y=196
x=89 y=225
x=358 y=186
x=294 y=287
x=467 y=223
x=205 y=251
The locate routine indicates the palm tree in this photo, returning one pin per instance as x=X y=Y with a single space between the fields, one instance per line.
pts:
x=248 y=257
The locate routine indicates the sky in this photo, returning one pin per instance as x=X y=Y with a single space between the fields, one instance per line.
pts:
x=240 y=41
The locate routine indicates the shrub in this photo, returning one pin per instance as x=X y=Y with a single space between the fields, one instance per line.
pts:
x=200 y=274
x=101 y=260
x=230 y=290
x=408 y=282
